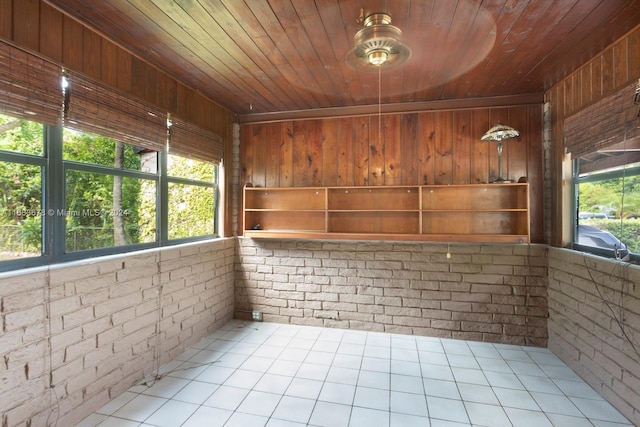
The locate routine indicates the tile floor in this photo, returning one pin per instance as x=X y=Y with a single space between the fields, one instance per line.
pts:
x=265 y=374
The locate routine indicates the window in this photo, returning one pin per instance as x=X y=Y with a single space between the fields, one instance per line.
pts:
x=191 y=197
x=109 y=199
x=604 y=141
x=21 y=177
x=86 y=170
x=608 y=209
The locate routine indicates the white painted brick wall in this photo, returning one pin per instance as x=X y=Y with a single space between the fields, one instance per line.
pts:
x=74 y=336
x=594 y=325
x=491 y=293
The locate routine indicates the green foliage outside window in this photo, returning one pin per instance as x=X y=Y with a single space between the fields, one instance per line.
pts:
x=618 y=201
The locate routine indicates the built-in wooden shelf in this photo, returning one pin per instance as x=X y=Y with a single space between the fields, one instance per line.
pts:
x=448 y=213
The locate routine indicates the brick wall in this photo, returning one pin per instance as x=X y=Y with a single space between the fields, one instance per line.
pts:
x=494 y=293
x=74 y=336
x=594 y=325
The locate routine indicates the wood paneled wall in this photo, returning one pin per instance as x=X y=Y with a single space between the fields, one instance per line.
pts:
x=612 y=69
x=432 y=147
x=37 y=27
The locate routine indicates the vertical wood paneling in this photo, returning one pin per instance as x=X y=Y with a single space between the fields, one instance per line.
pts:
x=376 y=151
x=426 y=144
x=72 y=45
x=6 y=19
x=514 y=163
x=50 y=24
x=607 y=72
x=138 y=73
x=496 y=115
x=480 y=150
x=443 y=134
x=125 y=75
x=346 y=152
x=633 y=50
x=247 y=144
x=300 y=158
x=286 y=155
x=461 y=147
x=27 y=14
x=620 y=69
x=441 y=147
x=330 y=133
x=362 y=151
x=608 y=83
x=260 y=157
x=535 y=175
x=91 y=54
x=109 y=66
x=392 y=150
x=409 y=149
x=272 y=143
x=315 y=154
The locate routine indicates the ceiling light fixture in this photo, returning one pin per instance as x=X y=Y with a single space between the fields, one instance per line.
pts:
x=499 y=133
x=379 y=43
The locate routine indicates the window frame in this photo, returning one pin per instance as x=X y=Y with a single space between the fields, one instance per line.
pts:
x=625 y=171
x=54 y=200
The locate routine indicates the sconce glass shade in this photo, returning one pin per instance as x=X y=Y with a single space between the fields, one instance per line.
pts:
x=499 y=133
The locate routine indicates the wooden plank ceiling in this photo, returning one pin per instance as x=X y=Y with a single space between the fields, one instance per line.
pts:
x=266 y=56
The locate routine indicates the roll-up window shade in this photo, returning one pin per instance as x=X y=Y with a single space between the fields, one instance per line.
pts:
x=189 y=140
x=95 y=108
x=30 y=87
x=610 y=121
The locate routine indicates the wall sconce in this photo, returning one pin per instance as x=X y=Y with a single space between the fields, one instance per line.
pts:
x=499 y=133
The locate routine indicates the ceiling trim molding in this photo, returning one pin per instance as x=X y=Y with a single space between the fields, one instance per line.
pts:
x=398 y=108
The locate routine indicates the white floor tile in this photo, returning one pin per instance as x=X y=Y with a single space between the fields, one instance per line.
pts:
x=327 y=414
x=406 y=420
x=481 y=414
x=305 y=388
x=365 y=417
x=598 y=409
x=228 y=398
x=556 y=404
x=373 y=398
x=271 y=383
x=403 y=367
x=577 y=389
x=275 y=375
x=470 y=376
x=171 y=414
x=294 y=409
x=477 y=394
x=312 y=371
x=527 y=418
x=259 y=403
x=243 y=379
x=167 y=387
x=140 y=408
x=116 y=403
x=240 y=419
x=337 y=393
x=447 y=409
x=208 y=416
x=342 y=375
x=433 y=358
x=409 y=403
x=374 y=379
x=196 y=392
x=441 y=388
x=407 y=383
x=503 y=380
x=519 y=399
